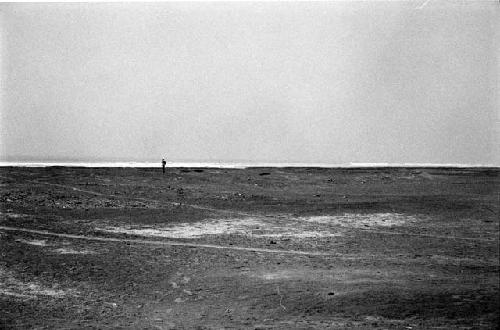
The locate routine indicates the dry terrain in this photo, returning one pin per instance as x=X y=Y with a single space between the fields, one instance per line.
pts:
x=258 y=248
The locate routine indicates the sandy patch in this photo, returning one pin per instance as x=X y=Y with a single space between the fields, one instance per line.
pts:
x=245 y=227
x=192 y=230
x=342 y=276
x=11 y=286
x=13 y=215
x=62 y=250
x=35 y=242
x=269 y=227
x=71 y=251
x=298 y=233
x=363 y=220
x=279 y=275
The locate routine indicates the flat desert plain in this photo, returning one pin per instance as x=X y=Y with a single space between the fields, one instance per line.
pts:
x=256 y=248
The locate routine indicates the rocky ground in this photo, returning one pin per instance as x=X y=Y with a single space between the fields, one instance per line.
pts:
x=260 y=248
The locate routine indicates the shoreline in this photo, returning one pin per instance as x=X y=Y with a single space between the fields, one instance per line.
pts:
x=239 y=165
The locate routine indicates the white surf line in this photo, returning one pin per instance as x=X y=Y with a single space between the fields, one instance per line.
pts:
x=167 y=243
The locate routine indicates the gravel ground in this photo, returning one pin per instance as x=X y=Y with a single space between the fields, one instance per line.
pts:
x=259 y=248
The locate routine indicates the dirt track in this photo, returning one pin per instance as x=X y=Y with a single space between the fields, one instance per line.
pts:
x=255 y=248
x=163 y=242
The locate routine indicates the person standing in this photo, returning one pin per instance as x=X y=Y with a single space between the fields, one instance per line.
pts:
x=163 y=163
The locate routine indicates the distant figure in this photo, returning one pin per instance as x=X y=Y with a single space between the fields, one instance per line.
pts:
x=163 y=163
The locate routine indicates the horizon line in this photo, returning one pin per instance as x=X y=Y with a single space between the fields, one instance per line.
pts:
x=241 y=165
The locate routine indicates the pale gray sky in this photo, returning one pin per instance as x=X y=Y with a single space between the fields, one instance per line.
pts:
x=331 y=82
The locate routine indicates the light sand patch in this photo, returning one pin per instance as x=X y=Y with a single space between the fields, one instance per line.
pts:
x=279 y=275
x=292 y=274
x=11 y=286
x=13 y=215
x=62 y=250
x=363 y=220
x=270 y=227
x=245 y=227
x=35 y=242
x=193 y=230
x=299 y=274
x=343 y=276
x=298 y=233
x=71 y=251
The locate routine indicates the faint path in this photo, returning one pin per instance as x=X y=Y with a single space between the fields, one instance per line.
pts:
x=167 y=243
x=217 y=247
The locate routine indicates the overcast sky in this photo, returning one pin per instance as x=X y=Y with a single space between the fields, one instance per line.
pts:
x=330 y=82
